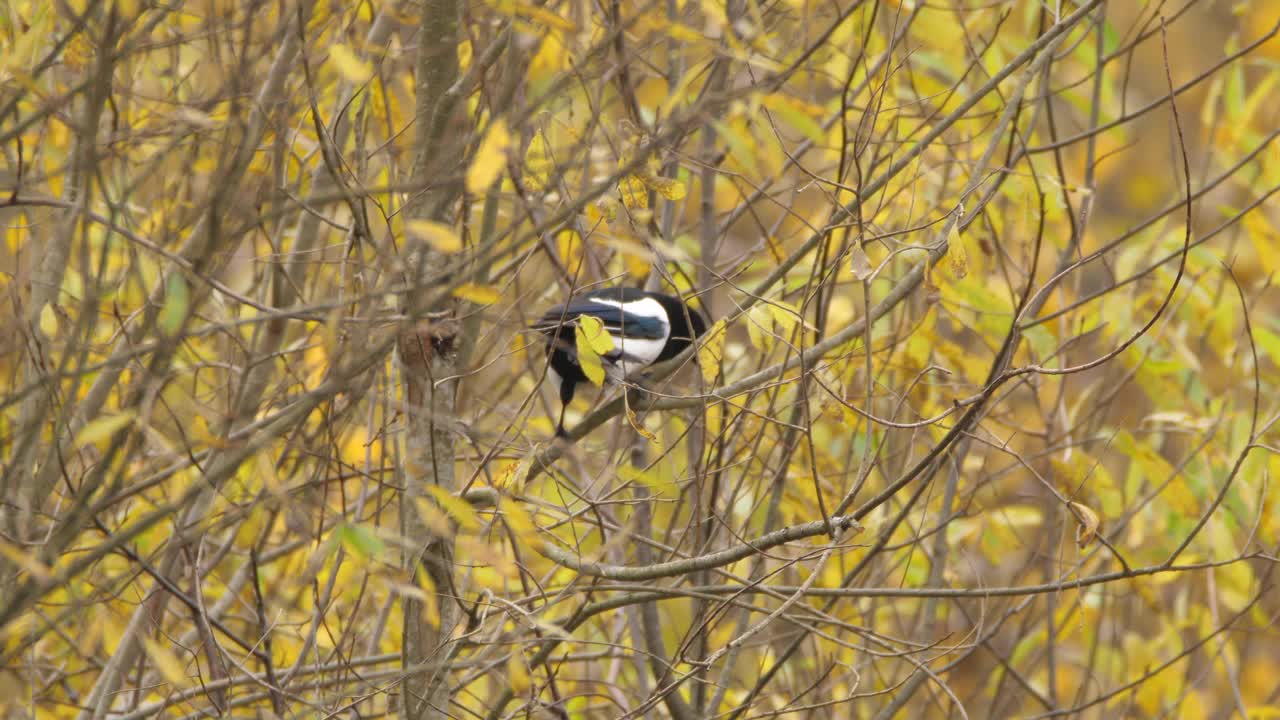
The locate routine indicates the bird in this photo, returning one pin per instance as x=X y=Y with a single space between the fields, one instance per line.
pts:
x=645 y=327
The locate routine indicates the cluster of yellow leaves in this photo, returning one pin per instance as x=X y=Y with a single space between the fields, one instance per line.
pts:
x=971 y=303
x=764 y=317
x=349 y=65
x=634 y=189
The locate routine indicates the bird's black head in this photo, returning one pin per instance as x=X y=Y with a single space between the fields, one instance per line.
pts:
x=687 y=324
x=697 y=321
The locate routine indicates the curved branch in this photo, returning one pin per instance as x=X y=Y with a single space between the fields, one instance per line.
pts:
x=701 y=562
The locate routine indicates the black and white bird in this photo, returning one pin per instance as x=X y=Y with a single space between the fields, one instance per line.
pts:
x=645 y=327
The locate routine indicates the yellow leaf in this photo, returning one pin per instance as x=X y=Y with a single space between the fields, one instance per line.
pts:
x=1088 y=528
x=1182 y=498
x=956 y=255
x=635 y=194
x=759 y=326
x=25 y=560
x=602 y=210
x=674 y=30
x=349 y=65
x=685 y=90
x=1006 y=523
x=640 y=429
x=785 y=315
x=48 y=320
x=588 y=356
x=165 y=661
x=437 y=235
x=24 y=50
x=571 y=250
x=430 y=607
x=714 y=419
x=460 y=509
x=203 y=435
x=669 y=188
x=534 y=13
x=78 y=51
x=1235 y=584
x=521 y=524
x=637 y=264
x=490 y=158
x=478 y=294
x=512 y=476
x=711 y=351
x=553 y=56
x=600 y=340
x=798 y=114
x=537 y=163
x=102 y=428
x=1265 y=241
x=517 y=672
x=433 y=517
x=1155 y=467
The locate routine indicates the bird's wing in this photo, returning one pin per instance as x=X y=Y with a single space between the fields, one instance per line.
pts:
x=617 y=321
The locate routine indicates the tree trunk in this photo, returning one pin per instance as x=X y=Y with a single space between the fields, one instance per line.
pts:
x=428 y=352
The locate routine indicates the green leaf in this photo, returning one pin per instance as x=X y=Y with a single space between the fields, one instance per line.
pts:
x=360 y=540
x=1110 y=37
x=102 y=428
x=1268 y=342
x=740 y=146
x=177 y=299
x=795 y=116
x=1235 y=92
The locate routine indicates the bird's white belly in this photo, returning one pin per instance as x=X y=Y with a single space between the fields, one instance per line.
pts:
x=638 y=351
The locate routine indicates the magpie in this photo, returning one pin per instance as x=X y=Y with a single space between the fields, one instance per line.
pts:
x=645 y=327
